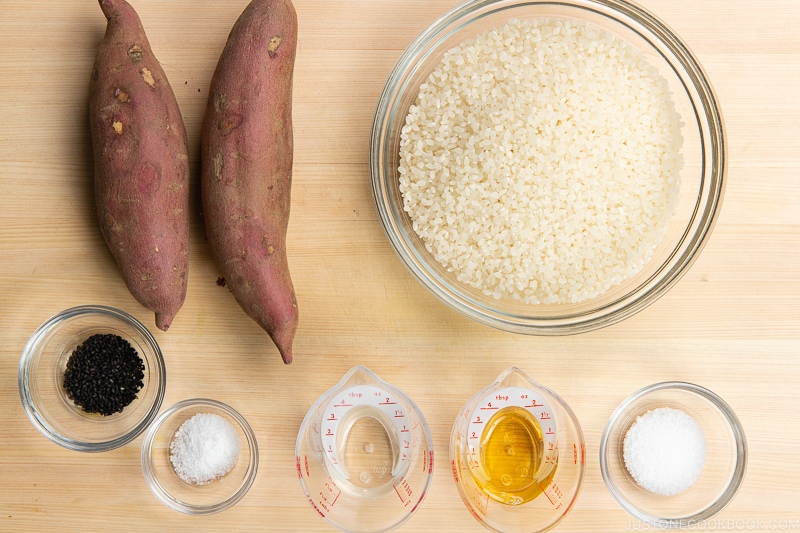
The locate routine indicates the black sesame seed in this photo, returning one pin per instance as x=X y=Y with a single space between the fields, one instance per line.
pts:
x=104 y=374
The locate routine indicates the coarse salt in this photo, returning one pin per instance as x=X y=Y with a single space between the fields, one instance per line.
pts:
x=664 y=451
x=204 y=448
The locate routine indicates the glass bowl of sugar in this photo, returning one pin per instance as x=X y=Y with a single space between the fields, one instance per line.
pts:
x=673 y=454
x=199 y=457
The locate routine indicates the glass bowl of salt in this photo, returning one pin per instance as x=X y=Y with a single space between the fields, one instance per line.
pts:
x=673 y=454
x=199 y=457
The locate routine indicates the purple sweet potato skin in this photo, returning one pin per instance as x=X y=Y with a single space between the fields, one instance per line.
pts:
x=141 y=165
x=247 y=151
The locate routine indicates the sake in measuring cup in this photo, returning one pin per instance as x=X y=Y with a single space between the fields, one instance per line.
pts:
x=364 y=454
x=518 y=455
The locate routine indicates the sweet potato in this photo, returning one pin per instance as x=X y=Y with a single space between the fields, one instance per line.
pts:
x=141 y=165
x=247 y=165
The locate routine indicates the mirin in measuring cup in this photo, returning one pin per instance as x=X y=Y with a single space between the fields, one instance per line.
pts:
x=517 y=454
x=513 y=464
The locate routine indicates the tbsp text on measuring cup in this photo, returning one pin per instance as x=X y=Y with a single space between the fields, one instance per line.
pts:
x=517 y=455
x=364 y=454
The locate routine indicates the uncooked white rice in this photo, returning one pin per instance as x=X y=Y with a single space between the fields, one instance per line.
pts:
x=541 y=161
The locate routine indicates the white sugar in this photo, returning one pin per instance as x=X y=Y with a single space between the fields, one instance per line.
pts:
x=665 y=451
x=204 y=448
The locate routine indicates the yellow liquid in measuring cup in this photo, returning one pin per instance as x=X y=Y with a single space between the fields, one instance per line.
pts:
x=510 y=468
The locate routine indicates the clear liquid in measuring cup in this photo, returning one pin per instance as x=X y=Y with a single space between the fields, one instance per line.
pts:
x=369 y=448
x=514 y=466
x=364 y=454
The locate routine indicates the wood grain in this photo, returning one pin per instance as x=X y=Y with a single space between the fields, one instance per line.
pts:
x=732 y=324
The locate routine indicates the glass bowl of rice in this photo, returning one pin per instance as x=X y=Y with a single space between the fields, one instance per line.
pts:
x=548 y=167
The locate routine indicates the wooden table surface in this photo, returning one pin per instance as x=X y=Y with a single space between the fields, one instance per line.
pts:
x=732 y=324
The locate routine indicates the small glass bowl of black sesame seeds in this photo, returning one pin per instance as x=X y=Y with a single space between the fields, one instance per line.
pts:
x=92 y=378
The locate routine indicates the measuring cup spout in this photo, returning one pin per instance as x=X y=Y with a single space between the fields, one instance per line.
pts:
x=364 y=454
x=358 y=375
x=518 y=454
x=514 y=377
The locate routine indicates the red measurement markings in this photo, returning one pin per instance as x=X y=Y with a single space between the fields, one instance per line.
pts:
x=534 y=404
x=553 y=493
x=549 y=431
x=404 y=492
x=480 y=501
x=314 y=428
x=477 y=420
x=297 y=464
x=398 y=413
x=328 y=495
x=314 y=505
x=305 y=463
x=333 y=417
x=574 y=454
x=404 y=430
x=544 y=416
x=473 y=435
x=406 y=444
x=329 y=433
x=388 y=401
x=343 y=403
x=489 y=407
x=455 y=469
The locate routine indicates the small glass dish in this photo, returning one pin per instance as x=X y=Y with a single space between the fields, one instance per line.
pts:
x=722 y=474
x=219 y=494
x=702 y=179
x=41 y=380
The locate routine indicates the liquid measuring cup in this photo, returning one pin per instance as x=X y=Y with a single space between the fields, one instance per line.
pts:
x=364 y=454
x=518 y=455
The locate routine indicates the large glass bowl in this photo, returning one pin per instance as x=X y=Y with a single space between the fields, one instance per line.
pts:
x=41 y=380
x=702 y=177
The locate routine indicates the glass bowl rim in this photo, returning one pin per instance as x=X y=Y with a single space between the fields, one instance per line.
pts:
x=165 y=497
x=637 y=298
x=733 y=423
x=26 y=371
x=314 y=411
x=455 y=444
